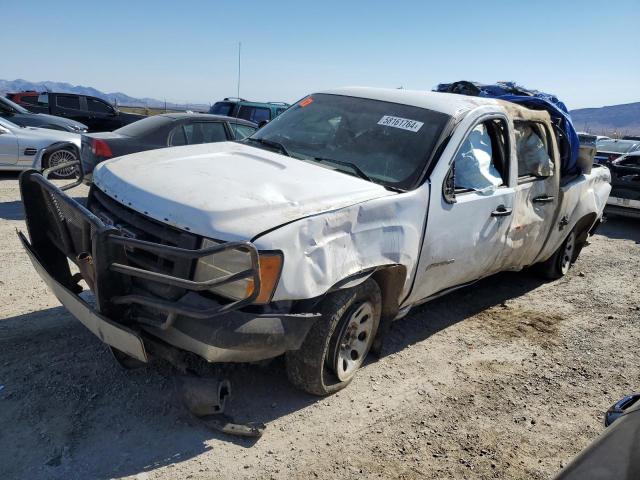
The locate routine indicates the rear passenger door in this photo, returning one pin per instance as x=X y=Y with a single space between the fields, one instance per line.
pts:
x=537 y=190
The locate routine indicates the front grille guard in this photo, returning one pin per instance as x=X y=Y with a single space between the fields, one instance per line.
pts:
x=61 y=228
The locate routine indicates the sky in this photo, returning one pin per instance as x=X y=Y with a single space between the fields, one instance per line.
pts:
x=587 y=52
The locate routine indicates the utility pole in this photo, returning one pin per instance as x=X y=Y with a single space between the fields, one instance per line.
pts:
x=239 y=56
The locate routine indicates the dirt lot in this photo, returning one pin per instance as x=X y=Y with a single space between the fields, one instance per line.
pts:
x=508 y=378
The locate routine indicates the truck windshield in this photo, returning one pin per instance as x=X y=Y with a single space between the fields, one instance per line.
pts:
x=387 y=142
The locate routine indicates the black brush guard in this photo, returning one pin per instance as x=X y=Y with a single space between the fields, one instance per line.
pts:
x=60 y=228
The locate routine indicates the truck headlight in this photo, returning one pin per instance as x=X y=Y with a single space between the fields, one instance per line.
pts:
x=233 y=261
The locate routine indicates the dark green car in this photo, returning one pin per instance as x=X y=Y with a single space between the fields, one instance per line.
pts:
x=256 y=112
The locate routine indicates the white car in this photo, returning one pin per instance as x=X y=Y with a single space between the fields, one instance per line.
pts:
x=311 y=236
x=23 y=148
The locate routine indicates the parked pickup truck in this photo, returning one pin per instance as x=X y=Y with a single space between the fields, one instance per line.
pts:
x=311 y=236
x=98 y=115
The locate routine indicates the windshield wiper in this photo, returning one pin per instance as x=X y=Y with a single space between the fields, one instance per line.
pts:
x=273 y=144
x=352 y=166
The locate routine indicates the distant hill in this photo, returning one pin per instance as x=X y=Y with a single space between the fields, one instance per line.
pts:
x=614 y=119
x=118 y=98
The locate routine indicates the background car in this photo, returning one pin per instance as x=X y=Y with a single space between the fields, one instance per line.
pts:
x=161 y=131
x=608 y=150
x=97 y=114
x=256 y=112
x=24 y=118
x=624 y=198
x=22 y=148
x=26 y=98
x=587 y=138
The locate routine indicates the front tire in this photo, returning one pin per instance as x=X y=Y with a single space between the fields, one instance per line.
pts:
x=58 y=157
x=337 y=344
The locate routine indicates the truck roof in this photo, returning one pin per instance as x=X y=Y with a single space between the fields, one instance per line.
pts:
x=448 y=103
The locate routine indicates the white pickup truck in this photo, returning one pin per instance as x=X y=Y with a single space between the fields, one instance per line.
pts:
x=310 y=237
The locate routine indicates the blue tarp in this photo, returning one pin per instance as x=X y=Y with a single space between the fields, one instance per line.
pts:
x=568 y=143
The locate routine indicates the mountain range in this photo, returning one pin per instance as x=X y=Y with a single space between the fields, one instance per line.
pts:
x=614 y=119
x=116 y=98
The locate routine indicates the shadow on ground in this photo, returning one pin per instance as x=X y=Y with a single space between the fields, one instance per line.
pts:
x=69 y=411
x=450 y=309
x=618 y=227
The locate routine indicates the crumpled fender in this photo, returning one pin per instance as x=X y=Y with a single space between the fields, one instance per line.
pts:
x=322 y=250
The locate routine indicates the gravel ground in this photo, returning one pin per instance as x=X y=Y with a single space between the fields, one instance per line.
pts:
x=508 y=378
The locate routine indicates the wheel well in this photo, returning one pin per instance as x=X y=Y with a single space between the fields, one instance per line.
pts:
x=583 y=226
x=54 y=148
x=61 y=146
x=390 y=279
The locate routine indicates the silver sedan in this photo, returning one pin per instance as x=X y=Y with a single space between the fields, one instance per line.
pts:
x=22 y=148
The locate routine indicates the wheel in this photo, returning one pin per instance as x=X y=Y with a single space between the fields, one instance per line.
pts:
x=560 y=262
x=338 y=343
x=58 y=157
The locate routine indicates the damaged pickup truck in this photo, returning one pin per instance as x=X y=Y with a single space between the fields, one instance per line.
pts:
x=310 y=237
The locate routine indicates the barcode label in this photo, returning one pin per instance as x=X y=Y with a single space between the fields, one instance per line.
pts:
x=403 y=123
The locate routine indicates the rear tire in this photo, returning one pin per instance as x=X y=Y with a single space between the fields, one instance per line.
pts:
x=337 y=344
x=561 y=261
x=58 y=157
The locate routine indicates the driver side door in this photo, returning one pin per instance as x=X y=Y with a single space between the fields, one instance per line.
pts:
x=469 y=213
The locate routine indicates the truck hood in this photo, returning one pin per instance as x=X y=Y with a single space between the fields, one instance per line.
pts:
x=228 y=191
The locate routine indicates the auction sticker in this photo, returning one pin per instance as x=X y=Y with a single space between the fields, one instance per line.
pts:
x=398 y=122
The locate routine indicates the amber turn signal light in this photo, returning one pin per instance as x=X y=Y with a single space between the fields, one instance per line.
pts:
x=270 y=268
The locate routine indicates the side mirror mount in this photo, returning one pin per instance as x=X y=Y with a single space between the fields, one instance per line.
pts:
x=449 y=185
x=263 y=123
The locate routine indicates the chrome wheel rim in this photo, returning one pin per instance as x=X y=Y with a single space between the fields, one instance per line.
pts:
x=567 y=255
x=354 y=341
x=58 y=158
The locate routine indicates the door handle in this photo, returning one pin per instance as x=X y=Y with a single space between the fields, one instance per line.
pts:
x=501 y=211
x=543 y=199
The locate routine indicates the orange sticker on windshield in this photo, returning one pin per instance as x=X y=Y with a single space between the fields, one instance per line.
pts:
x=306 y=102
